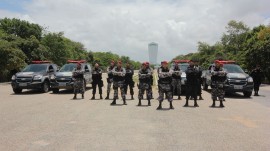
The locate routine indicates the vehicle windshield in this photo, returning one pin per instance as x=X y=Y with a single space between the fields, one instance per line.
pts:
x=182 y=66
x=233 y=68
x=68 y=67
x=35 y=68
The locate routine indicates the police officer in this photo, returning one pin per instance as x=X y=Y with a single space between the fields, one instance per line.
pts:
x=196 y=62
x=79 y=85
x=144 y=83
x=257 y=74
x=129 y=80
x=151 y=77
x=218 y=77
x=192 y=75
x=176 y=79
x=109 y=79
x=97 y=81
x=165 y=80
x=119 y=82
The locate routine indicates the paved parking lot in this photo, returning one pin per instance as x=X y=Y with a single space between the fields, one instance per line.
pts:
x=37 y=121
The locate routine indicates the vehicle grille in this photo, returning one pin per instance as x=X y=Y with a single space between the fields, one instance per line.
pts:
x=237 y=81
x=23 y=80
x=63 y=79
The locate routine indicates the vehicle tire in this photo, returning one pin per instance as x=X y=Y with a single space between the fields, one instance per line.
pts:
x=55 y=90
x=205 y=86
x=247 y=94
x=17 y=91
x=45 y=87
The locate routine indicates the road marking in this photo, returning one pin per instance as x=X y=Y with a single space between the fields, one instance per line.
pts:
x=246 y=122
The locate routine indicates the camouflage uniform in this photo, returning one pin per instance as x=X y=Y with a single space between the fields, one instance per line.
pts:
x=129 y=81
x=218 y=78
x=151 y=80
x=165 y=80
x=193 y=80
x=79 y=85
x=119 y=82
x=176 y=80
x=144 y=85
x=109 y=80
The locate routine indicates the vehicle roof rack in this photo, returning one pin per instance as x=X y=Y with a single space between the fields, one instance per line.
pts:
x=40 y=62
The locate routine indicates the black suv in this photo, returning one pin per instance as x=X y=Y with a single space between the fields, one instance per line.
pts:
x=236 y=81
x=34 y=76
x=63 y=78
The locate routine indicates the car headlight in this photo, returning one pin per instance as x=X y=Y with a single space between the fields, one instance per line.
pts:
x=13 y=77
x=52 y=77
x=250 y=80
x=38 y=77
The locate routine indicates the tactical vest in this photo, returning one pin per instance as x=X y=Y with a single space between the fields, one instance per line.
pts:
x=166 y=80
x=174 y=75
x=129 y=74
x=217 y=78
x=110 y=75
x=145 y=79
x=118 y=78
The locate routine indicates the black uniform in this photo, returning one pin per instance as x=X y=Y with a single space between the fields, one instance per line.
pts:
x=257 y=74
x=193 y=80
x=200 y=83
x=129 y=81
x=97 y=81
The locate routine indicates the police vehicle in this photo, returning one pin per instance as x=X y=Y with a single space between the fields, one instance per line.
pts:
x=236 y=81
x=34 y=76
x=63 y=78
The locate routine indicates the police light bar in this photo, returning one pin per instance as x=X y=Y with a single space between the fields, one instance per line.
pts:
x=226 y=61
x=182 y=61
x=40 y=62
x=76 y=61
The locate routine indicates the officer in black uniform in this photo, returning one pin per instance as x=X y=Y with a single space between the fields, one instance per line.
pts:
x=119 y=82
x=97 y=80
x=144 y=84
x=196 y=62
x=165 y=80
x=257 y=75
x=129 y=80
x=109 y=79
x=192 y=75
x=176 y=79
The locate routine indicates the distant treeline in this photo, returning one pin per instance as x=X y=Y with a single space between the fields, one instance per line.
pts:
x=22 y=42
x=248 y=47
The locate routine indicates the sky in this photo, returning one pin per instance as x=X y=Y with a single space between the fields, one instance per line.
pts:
x=126 y=27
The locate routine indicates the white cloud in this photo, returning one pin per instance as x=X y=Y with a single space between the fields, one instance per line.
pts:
x=126 y=27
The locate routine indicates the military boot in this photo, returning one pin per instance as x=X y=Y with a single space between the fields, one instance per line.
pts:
x=221 y=103
x=186 y=105
x=214 y=103
x=114 y=101
x=149 y=102
x=179 y=97
x=124 y=101
x=140 y=102
x=171 y=106
x=159 y=106
x=200 y=97
x=195 y=103
x=75 y=96
x=82 y=95
x=93 y=97
x=101 y=96
x=107 y=97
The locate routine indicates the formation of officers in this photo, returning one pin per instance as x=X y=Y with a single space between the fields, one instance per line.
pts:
x=169 y=82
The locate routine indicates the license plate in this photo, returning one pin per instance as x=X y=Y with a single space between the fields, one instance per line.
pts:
x=238 y=87
x=22 y=84
x=62 y=84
